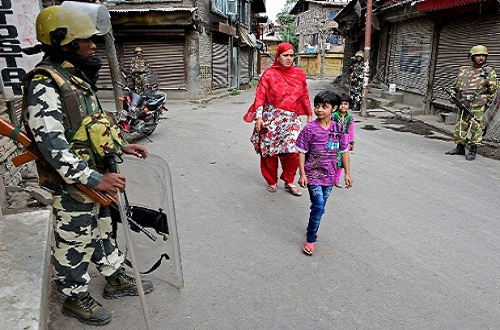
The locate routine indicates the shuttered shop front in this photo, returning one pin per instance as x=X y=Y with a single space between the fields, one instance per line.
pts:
x=455 y=41
x=165 y=56
x=166 y=59
x=381 y=73
x=245 y=55
x=220 y=64
x=410 y=56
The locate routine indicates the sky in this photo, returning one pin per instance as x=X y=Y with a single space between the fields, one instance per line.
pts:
x=273 y=7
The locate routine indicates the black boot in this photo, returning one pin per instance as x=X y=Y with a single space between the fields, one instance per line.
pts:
x=121 y=285
x=472 y=152
x=459 y=150
x=87 y=310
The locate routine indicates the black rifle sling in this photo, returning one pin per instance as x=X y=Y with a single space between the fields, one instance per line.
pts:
x=153 y=268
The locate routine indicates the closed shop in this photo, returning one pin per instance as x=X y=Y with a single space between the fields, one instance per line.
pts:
x=455 y=41
x=309 y=63
x=411 y=44
x=220 y=63
x=333 y=64
x=164 y=55
x=245 y=55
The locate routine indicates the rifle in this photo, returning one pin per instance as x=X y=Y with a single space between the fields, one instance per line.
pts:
x=8 y=130
x=460 y=104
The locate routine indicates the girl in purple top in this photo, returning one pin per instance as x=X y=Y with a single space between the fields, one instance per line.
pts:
x=318 y=144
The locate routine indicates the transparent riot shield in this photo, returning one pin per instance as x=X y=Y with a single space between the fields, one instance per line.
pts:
x=149 y=188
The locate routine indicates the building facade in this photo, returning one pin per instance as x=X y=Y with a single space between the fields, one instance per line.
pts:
x=196 y=48
x=321 y=45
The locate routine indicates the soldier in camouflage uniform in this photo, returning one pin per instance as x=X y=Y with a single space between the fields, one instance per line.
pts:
x=62 y=115
x=139 y=67
x=356 y=74
x=475 y=86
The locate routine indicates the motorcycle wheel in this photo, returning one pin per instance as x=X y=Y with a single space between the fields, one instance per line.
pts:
x=150 y=128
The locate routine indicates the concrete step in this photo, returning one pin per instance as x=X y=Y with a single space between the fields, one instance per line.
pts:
x=449 y=118
x=376 y=92
x=378 y=102
x=397 y=97
x=24 y=270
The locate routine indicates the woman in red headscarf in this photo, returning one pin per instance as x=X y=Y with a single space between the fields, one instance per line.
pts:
x=282 y=96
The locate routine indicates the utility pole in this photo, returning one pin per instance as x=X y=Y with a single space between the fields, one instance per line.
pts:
x=322 y=31
x=322 y=67
x=368 y=41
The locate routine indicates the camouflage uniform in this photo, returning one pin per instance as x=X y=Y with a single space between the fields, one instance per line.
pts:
x=356 y=74
x=81 y=226
x=475 y=87
x=138 y=68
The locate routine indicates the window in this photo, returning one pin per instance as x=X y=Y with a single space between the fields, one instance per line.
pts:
x=225 y=7
x=316 y=16
x=333 y=14
x=232 y=7
x=244 y=13
x=219 y=6
x=301 y=19
x=314 y=39
x=334 y=39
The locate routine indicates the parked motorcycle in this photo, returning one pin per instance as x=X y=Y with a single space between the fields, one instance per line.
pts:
x=141 y=113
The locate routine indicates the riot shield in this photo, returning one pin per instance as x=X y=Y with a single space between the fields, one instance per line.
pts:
x=150 y=197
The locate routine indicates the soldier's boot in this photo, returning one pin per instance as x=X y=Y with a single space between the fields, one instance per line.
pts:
x=459 y=150
x=87 y=310
x=121 y=285
x=472 y=152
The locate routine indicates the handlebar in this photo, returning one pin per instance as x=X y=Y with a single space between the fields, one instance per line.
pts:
x=122 y=86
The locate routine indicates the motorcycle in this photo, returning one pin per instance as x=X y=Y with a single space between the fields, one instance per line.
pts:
x=141 y=113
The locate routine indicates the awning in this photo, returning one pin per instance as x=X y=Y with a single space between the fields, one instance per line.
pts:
x=248 y=39
x=429 y=5
x=143 y=10
x=150 y=17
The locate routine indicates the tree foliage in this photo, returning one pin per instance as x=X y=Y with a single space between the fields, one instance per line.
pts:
x=288 y=24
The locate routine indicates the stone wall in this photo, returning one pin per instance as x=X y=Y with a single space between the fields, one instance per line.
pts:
x=18 y=185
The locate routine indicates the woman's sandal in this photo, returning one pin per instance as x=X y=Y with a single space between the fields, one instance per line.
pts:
x=292 y=189
x=309 y=248
x=272 y=188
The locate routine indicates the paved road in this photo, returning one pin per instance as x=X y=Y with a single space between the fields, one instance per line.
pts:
x=414 y=245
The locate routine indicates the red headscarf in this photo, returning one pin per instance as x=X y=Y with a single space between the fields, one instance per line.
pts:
x=283 y=88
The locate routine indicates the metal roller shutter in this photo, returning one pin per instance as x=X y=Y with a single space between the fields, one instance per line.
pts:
x=104 y=81
x=220 y=63
x=166 y=58
x=411 y=45
x=245 y=65
x=456 y=40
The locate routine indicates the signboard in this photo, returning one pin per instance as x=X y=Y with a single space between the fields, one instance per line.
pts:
x=17 y=30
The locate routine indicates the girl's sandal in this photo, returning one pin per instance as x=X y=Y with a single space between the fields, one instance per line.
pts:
x=292 y=189
x=272 y=188
x=309 y=248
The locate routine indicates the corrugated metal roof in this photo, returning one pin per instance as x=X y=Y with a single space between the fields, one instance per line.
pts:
x=166 y=9
x=429 y=5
